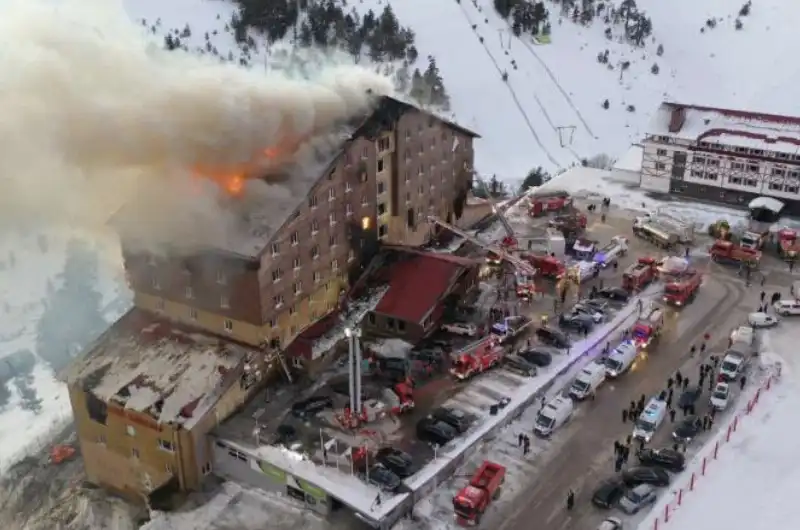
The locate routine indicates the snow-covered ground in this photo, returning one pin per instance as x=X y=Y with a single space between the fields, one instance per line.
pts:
x=752 y=484
x=549 y=112
x=32 y=268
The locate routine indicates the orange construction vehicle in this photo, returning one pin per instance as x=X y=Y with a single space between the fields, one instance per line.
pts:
x=548 y=266
x=477 y=358
x=683 y=290
x=788 y=246
x=472 y=501
x=730 y=252
x=648 y=327
x=640 y=274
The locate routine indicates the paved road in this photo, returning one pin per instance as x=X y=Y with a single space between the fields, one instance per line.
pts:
x=584 y=453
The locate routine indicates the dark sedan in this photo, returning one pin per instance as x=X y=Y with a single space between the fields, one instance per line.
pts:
x=519 y=365
x=577 y=321
x=664 y=458
x=435 y=431
x=608 y=493
x=553 y=337
x=312 y=406
x=456 y=418
x=689 y=397
x=688 y=429
x=383 y=478
x=397 y=461
x=540 y=356
x=614 y=294
x=655 y=476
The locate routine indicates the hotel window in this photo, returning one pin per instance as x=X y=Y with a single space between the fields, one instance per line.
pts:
x=776 y=186
x=298 y=287
x=278 y=301
x=296 y=263
x=661 y=166
x=790 y=188
x=275 y=249
x=193 y=313
x=277 y=274
x=312 y=202
x=661 y=152
x=735 y=180
x=222 y=278
x=348 y=187
x=714 y=162
x=738 y=166
x=699 y=160
x=711 y=176
x=293 y=238
x=160 y=304
x=228 y=324
x=778 y=172
x=155 y=283
x=224 y=302
x=335 y=265
x=317 y=277
x=314 y=252
x=332 y=218
x=381 y=165
x=348 y=210
x=696 y=173
x=331 y=194
x=333 y=240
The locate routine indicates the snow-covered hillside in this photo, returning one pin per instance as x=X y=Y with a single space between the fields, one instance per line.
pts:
x=57 y=292
x=549 y=111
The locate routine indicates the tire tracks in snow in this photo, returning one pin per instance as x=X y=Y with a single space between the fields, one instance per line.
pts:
x=517 y=102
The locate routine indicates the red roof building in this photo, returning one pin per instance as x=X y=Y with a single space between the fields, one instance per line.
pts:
x=419 y=282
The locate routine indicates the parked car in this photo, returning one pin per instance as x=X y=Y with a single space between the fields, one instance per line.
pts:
x=384 y=478
x=456 y=418
x=465 y=329
x=720 y=396
x=597 y=304
x=687 y=429
x=655 y=476
x=608 y=493
x=312 y=406
x=435 y=431
x=577 y=321
x=762 y=320
x=614 y=294
x=519 y=365
x=397 y=461
x=637 y=498
x=689 y=396
x=427 y=355
x=610 y=523
x=553 y=337
x=665 y=458
x=586 y=309
x=541 y=356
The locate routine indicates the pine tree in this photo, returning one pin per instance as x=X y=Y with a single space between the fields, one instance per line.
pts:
x=73 y=315
x=418 y=90
x=433 y=79
x=535 y=177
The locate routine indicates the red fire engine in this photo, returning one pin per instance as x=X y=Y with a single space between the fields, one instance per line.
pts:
x=729 y=252
x=648 y=327
x=542 y=203
x=548 y=266
x=788 y=246
x=683 y=290
x=472 y=501
x=640 y=274
x=477 y=358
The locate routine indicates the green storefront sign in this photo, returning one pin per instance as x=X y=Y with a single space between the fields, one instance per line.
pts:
x=312 y=489
x=277 y=474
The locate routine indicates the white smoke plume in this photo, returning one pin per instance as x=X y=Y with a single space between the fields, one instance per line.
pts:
x=94 y=114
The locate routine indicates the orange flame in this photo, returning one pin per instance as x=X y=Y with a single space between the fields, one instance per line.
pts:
x=232 y=179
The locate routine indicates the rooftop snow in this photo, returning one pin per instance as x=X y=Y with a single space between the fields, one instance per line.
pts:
x=730 y=127
x=150 y=365
x=631 y=160
x=767 y=202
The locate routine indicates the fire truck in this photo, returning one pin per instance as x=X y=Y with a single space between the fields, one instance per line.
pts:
x=729 y=252
x=400 y=397
x=545 y=202
x=476 y=358
x=788 y=246
x=683 y=290
x=640 y=274
x=471 y=502
x=648 y=327
x=548 y=266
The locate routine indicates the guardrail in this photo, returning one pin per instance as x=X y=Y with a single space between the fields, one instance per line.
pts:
x=662 y=512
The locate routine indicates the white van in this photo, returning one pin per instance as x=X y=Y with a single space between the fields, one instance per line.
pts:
x=650 y=419
x=732 y=366
x=620 y=359
x=787 y=307
x=553 y=415
x=588 y=381
x=744 y=335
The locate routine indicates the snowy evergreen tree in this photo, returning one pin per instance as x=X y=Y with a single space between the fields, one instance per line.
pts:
x=73 y=314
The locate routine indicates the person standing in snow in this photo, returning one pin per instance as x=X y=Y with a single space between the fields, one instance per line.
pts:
x=570 y=500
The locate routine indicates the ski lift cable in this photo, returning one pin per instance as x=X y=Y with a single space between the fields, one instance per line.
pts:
x=512 y=92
